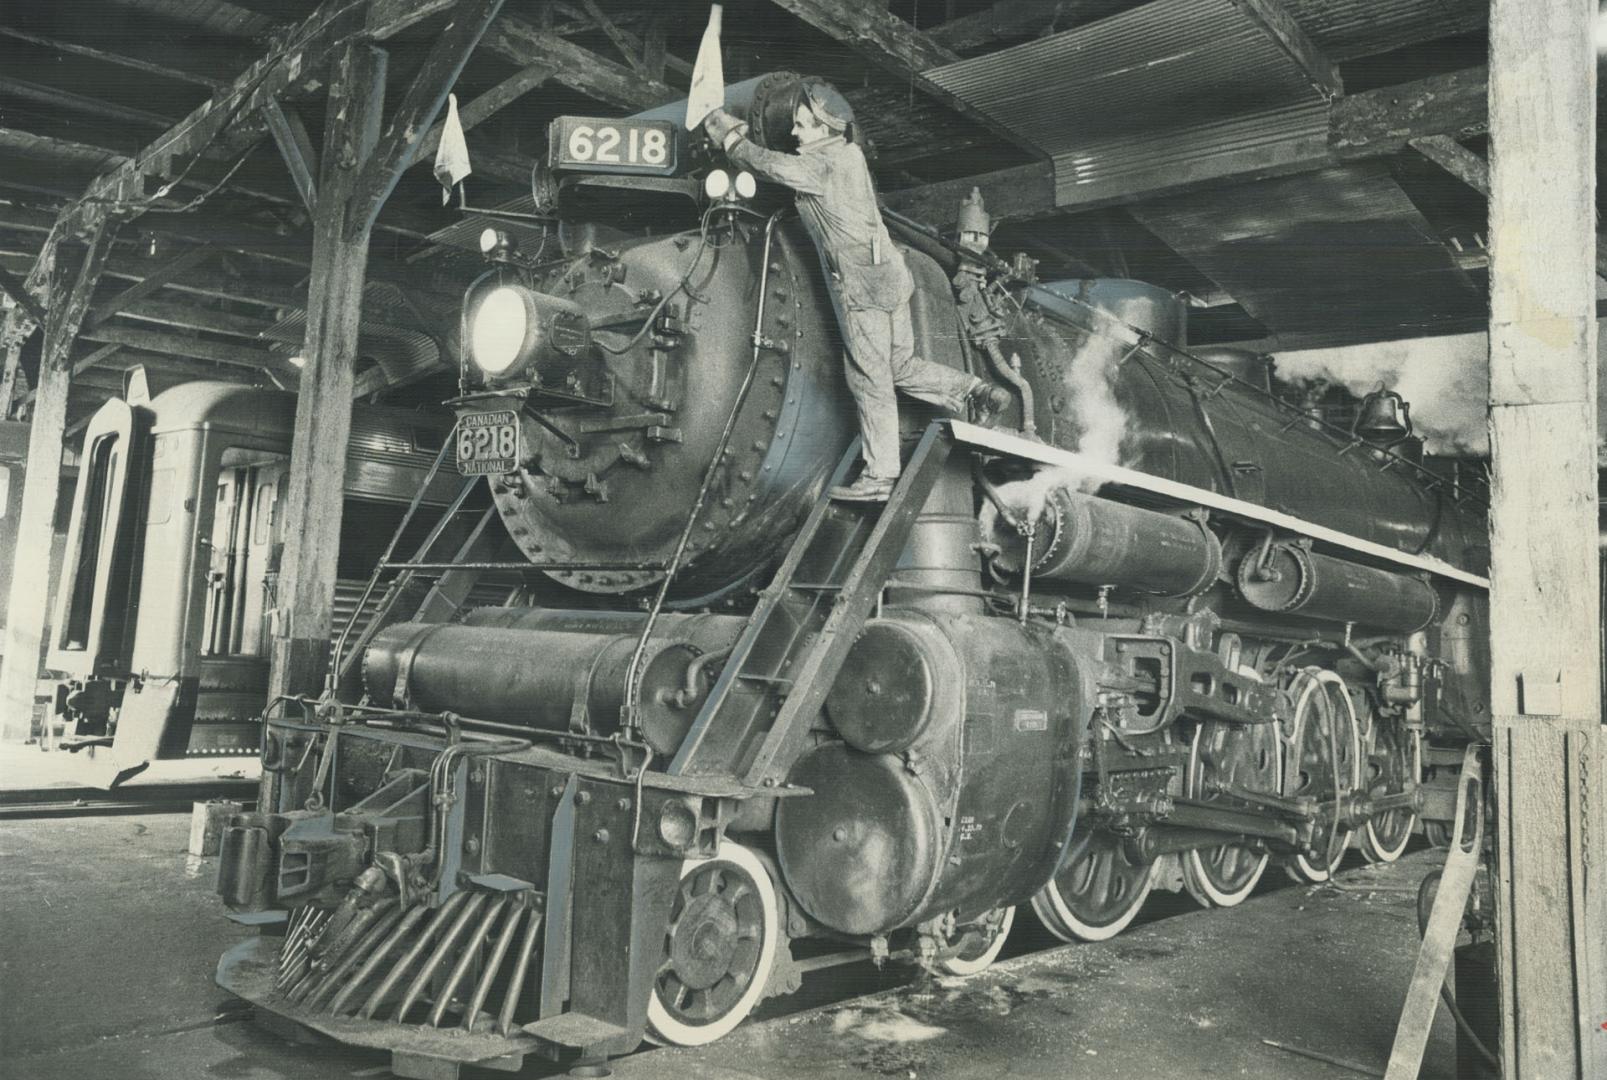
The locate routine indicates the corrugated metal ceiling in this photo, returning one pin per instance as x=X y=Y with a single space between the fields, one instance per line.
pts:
x=1195 y=86
x=1341 y=247
x=1346 y=29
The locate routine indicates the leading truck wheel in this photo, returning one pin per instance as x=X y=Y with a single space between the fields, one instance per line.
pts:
x=718 y=948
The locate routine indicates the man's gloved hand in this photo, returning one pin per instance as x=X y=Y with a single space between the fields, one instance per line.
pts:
x=720 y=124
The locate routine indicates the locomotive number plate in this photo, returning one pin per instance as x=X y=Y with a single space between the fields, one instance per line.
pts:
x=488 y=443
x=593 y=144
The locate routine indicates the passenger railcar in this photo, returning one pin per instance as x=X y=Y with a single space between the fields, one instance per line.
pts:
x=159 y=644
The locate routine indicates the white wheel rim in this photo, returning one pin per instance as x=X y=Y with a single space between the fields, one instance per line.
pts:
x=665 y=1026
x=958 y=965
x=1373 y=848
x=1301 y=868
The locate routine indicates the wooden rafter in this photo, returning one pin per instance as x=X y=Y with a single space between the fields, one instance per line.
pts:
x=1278 y=25
x=526 y=43
x=162 y=62
x=60 y=97
x=897 y=48
x=158 y=277
x=413 y=115
x=17 y=289
x=195 y=317
x=218 y=352
x=229 y=121
x=487 y=105
x=295 y=147
x=627 y=47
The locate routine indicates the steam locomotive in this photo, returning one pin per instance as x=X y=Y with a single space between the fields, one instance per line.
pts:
x=753 y=731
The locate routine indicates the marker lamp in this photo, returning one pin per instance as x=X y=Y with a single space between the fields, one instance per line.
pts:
x=716 y=184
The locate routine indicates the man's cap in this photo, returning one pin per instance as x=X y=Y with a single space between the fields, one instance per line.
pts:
x=829 y=106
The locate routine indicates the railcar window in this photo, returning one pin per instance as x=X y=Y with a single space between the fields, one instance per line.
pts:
x=105 y=459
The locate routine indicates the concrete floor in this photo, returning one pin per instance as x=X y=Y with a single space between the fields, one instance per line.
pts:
x=109 y=935
x=28 y=767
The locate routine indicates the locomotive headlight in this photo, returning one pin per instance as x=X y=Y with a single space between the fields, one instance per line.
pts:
x=500 y=326
x=716 y=184
x=746 y=185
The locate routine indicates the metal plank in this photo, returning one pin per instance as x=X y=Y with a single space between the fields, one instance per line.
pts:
x=1014 y=445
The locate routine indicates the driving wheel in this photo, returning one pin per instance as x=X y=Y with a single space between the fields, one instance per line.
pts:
x=1229 y=756
x=1097 y=891
x=1322 y=761
x=1396 y=759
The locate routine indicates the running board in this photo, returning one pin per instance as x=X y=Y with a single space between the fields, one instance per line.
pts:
x=1002 y=442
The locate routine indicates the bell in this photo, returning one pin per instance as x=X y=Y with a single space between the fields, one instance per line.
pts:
x=1384 y=419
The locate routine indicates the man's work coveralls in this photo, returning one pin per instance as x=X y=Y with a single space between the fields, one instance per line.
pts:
x=873 y=287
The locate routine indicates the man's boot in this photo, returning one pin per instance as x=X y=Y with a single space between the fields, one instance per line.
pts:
x=987 y=402
x=867 y=488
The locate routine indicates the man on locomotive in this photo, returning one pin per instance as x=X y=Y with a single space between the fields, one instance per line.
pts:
x=871 y=283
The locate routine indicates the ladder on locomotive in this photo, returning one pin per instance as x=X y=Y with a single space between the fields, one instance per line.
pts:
x=758 y=713
x=406 y=596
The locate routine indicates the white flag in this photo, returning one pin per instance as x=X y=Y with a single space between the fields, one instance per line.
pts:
x=452 y=155
x=708 y=74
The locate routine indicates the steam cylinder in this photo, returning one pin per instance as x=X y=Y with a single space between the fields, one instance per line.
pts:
x=1293 y=580
x=1085 y=540
x=553 y=680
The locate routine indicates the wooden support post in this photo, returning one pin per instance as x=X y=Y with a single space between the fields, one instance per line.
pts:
x=1546 y=634
x=71 y=283
x=361 y=166
x=314 y=487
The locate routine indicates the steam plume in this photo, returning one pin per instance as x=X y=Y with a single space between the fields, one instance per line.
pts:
x=1444 y=379
x=1101 y=432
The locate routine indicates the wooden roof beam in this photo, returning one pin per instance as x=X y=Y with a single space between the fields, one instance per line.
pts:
x=58 y=97
x=249 y=288
x=230 y=120
x=525 y=43
x=196 y=348
x=194 y=317
x=159 y=276
x=1281 y=27
x=487 y=105
x=172 y=62
x=1474 y=171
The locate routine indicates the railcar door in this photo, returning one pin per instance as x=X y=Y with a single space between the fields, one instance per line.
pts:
x=242 y=545
x=96 y=592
